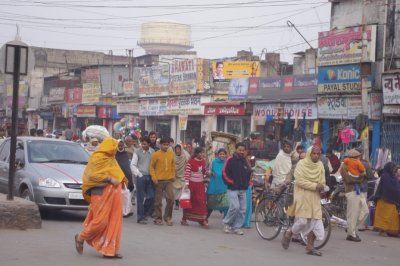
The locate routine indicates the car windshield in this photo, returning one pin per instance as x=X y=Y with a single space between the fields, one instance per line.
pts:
x=56 y=151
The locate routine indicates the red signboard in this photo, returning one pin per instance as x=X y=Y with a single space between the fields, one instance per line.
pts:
x=104 y=112
x=73 y=95
x=224 y=110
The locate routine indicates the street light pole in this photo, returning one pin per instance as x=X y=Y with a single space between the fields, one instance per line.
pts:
x=13 y=66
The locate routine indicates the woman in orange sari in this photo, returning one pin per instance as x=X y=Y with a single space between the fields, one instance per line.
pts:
x=102 y=188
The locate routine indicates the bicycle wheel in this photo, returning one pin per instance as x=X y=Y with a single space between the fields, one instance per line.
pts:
x=326 y=221
x=268 y=219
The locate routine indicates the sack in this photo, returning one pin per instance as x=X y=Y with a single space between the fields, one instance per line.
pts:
x=96 y=131
x=126 y=201
x=184 y=200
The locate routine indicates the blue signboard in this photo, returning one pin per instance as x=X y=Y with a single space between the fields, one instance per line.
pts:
x=238 y=89
x=334 y=79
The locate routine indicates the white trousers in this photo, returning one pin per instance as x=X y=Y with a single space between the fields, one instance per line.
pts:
x=357 y=211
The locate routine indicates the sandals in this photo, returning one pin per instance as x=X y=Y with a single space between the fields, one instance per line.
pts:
x=169 y=223
x=116 y=256
x=78 y=245
x=204 y=224
x=158 y=222
x=184 y=223
x=314 y=252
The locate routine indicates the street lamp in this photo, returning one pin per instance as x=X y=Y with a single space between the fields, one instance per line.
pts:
x=16 y=64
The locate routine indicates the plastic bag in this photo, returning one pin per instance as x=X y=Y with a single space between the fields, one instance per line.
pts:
x=184 y=200
x=96 y=131
x=126 y=202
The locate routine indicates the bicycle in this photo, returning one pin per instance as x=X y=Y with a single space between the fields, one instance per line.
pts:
x=271 y=217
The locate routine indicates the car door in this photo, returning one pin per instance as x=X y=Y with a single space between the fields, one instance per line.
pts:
x=4 y=165
x=20 y=161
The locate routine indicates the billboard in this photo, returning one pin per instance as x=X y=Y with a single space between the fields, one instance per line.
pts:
x=154 y=81
x=338 y=79
x=183 y=73
x=238 y=89
x=391 y=88
x=286 y=87
x=235 y=69
x=340 y=47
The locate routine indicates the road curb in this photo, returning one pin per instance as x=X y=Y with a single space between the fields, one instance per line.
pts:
x=19 y=214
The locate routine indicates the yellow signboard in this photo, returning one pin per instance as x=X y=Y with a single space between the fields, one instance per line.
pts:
x=235 y=69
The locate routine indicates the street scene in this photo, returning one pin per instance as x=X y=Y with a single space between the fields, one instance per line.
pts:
x=200 y=132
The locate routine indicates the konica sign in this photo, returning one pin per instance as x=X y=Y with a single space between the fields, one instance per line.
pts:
x=337 y=79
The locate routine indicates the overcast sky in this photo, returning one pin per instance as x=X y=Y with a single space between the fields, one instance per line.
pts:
x=220 y=28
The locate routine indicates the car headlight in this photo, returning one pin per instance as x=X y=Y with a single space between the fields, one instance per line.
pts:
x=48 y=182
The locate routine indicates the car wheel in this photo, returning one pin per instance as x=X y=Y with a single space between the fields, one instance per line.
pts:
x=26 y=194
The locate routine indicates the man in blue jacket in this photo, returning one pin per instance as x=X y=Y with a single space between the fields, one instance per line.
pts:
x=236 y=175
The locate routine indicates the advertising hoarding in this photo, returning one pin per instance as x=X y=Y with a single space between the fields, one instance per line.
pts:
x=338 y=79
x=235 y=69
x=344 y=46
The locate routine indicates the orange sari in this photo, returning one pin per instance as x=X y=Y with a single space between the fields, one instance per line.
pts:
x=103 y=224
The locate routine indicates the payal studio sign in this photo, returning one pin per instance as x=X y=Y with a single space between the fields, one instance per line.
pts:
x=338 y=79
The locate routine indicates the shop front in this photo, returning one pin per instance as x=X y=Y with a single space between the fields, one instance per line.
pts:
x=109 y=115
x=87 y=116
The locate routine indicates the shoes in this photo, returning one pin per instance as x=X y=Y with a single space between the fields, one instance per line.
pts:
x=116 y=256
x=227 y=229
x=238 y=232
x=128 y=215
x=352 y=238
x=78 y=245
x=142 y=222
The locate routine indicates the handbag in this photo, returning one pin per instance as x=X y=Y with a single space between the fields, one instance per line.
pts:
x=126 y=202
x=184 y=200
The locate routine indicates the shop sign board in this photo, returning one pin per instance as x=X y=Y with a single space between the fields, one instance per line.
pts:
x=91 y=76
x=128 y=88
x=185 y=105
x=56 y=95
x=391 y=88
x=238 y=89
x=91 y=93
x=73 y=95
x=235 y=69
x=336 y=107
x=265 y=109
x=183 y=74
x=391 y=109
x=339 y=79
x=86 y=111
x=154 y=81
x=345 y=46
x=224 y=110
x=128 y=107
x=203 y=75
x=153 y=107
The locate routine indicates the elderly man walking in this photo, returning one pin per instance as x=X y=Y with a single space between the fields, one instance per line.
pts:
x=310 y=181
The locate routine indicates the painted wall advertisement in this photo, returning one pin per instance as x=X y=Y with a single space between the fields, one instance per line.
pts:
x=154 y=81
x=223 y=70
x=339 y=79
x=391 y=88
x=344 y=46
x=310 y=109
x=183 y=74
x=336 y=107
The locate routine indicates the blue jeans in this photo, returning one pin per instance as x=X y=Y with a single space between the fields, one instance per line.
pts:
x=237 y=209
x=144 y=196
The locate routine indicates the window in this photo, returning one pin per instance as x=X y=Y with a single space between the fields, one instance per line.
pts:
x=44 y=151
x=234 y=126
x=5 y=151
x=20 y=152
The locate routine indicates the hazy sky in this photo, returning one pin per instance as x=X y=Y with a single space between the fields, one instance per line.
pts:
x=219 y=27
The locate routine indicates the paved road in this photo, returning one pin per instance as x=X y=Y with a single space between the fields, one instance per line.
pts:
x=178 y=245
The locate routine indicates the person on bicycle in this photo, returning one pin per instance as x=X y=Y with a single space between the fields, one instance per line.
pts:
x=309 y=182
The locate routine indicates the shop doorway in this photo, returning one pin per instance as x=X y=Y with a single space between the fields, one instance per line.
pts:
x=163 y=128
x=192 y=132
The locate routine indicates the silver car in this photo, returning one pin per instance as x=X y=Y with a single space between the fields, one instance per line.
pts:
x=49 y=172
